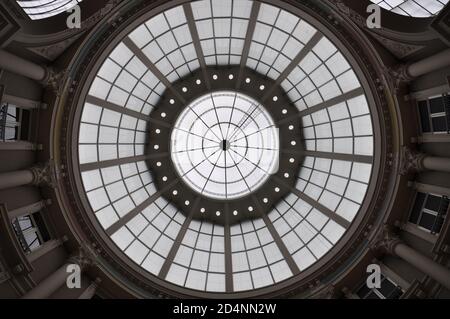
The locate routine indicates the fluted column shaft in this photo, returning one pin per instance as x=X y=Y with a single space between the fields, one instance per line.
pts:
x=57 y=279
x=90 y=291
x=432 y=163
x=423 y=263
x=18 y=65
x=16 y=178
x=49 y=285
x=430 y=64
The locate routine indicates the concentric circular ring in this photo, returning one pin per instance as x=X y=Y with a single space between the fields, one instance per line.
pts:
x=225 y=145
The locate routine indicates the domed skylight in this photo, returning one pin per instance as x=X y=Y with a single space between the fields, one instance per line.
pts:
x=336 y=145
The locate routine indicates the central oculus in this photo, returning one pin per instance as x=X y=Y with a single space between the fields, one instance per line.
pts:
x=225 y=145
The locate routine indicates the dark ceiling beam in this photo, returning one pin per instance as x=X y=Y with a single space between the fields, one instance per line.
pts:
x=229 y=286
x=149 y=64
x=120 y=161
x=323 y=209
x=276 y=237
x=335 y=156
x=123 y=110
x=248 y=40
x=298 y=58
x=321 y=106
x=138 y=209
x=196 y=41
x=178 y=240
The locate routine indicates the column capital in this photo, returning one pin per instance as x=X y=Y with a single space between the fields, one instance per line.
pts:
x=387 y=239
x=400 y=74
x=411 y=161
x=54 y=79
x=43 y=174
x=84 y=257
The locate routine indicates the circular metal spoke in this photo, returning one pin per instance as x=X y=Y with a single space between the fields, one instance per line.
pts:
x=212 y=106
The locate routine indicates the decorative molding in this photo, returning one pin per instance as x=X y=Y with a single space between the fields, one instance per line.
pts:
x=44 y=174
x=411 y=161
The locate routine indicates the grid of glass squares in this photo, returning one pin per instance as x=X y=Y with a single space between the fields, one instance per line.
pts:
x=413 y=8
x=42 y=9
x=200 y=261
x=124 y=81
x=256 y=259
x=307 y=233
x=338 y=185
x=116 y=190
x=148 y=237
x=107 y=135
x=222 y=27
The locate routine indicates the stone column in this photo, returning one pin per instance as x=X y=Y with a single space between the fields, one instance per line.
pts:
x=16 y=178
x=432 y=163
x=56 y=280
x=396 y=247
x=91 y=290
x=36 y=175
x=348 y=294
x=19 y=146
x=45 y=248
x=22 y=102
x=430 y=64
x=413 y=161
x=18 y=65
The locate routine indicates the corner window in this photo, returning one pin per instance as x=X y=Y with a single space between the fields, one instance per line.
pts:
x=429 y=212
x=42 y=9
x=14 y=123
x=434 y=114
x=31 y=231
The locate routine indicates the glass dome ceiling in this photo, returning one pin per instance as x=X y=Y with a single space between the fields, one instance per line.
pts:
x=413 y=8
x=42 y=9
x=163 y=239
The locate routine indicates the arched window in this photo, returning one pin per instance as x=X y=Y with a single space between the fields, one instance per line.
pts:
x=42 y=9
x=413 y=8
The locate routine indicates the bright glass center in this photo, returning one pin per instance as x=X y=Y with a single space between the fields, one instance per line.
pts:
x=225 y=145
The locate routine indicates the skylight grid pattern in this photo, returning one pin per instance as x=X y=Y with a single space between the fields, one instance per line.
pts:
x=413 y=8
x=42 y=9
x=323 y=74
x=165 y=39
x=256 y=259
x=114 y=191
x=106 y=135
x=338 y=185
x=148 y=238
x=200 y=261
x=222 y=27
x=307 y=233
x=301 y=228
x=278 y=37
x=125 y=81
x=344 y=128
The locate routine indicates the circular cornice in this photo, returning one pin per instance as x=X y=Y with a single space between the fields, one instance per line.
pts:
x=365 y=62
